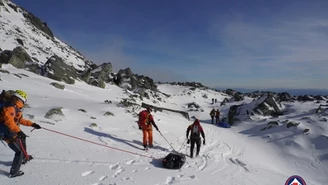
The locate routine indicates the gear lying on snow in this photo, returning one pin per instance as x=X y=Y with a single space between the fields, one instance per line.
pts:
x=174 y=161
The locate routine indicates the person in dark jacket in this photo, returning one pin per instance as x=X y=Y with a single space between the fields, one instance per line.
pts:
x=212 y=114
x=195 y=131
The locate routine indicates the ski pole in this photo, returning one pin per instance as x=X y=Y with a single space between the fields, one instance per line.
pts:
x=166 y=140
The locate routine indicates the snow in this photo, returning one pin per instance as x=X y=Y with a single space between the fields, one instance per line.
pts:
x=240 y=155
x=37 y=44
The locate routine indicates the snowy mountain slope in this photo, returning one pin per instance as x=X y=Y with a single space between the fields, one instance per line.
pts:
x=240 y=155
x=16 y=28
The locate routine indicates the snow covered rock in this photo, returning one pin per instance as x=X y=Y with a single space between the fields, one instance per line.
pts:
x=57 y=69
x=18 y=27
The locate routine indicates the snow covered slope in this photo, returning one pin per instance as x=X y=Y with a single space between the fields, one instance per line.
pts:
x=16 y=29
x=240 y=155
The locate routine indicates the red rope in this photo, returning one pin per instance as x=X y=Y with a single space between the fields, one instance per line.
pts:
x=97 y=143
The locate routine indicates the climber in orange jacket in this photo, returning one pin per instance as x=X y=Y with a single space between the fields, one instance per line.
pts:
x=10 y=118
x=146 y=121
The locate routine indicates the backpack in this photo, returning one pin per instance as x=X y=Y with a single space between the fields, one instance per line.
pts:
x=174 y=161
x=143 y=116
x=5 y=97
x=195 y=130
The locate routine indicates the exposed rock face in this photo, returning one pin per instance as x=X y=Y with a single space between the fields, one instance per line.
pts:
x=19 y=59
x=57 y=69
x=233 y=114
x=98 y=75
x=238 y=97
x=269 y=107
x=305 y=98
x=285 y=96
x=189 y=84
x=266 y=105
x=126 y=79
x=320 y=98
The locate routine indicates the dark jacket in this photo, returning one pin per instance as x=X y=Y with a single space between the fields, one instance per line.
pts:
x=196 y=130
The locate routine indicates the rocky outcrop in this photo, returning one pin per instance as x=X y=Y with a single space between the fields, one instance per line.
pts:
x=127 y=80
x=194 y=85
x=285 y=96
x=57 y=69
x=98 y=75
x=305 y=98
x=233 y=114
x=319 y=98
x=19 y=59
x=266 y=105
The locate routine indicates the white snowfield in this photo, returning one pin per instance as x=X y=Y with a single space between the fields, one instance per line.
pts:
x=236 y=156
x=13 y=26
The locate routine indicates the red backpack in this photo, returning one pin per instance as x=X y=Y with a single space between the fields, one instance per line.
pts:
x=143 y=118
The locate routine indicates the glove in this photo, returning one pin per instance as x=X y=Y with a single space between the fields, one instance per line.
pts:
x=204 y=142
x=140 y=127
x=188 y=141
x=36 y=126
x=21 y=135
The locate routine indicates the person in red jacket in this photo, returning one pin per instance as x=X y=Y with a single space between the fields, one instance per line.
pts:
x=217 y=116
x=11 y=117
x=146 y=121
x=195 y=131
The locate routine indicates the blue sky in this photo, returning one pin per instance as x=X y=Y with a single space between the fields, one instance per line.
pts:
x=222 y=43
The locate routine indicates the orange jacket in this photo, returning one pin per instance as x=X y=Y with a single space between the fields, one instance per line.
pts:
x=12 y=116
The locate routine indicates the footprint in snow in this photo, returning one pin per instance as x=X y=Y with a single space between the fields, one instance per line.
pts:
x=87 y=173
x=134 y=171
x=102 y=178
x=126 y=178
x=131 y=162
x=170 y=180
x=114 y=166
x=192 y=176
x=117 y=172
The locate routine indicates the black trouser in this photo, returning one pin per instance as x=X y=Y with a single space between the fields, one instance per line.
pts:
x=217 y=119
x=19 y=155
x=212 y=119
x=193 y=141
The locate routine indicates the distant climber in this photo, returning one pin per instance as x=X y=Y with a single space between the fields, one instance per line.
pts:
x=217 y=116
x=212 y=114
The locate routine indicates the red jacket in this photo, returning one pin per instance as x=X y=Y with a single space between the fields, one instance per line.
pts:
x=196 y=130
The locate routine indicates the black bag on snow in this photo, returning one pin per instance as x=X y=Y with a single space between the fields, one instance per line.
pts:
x=174 y=161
